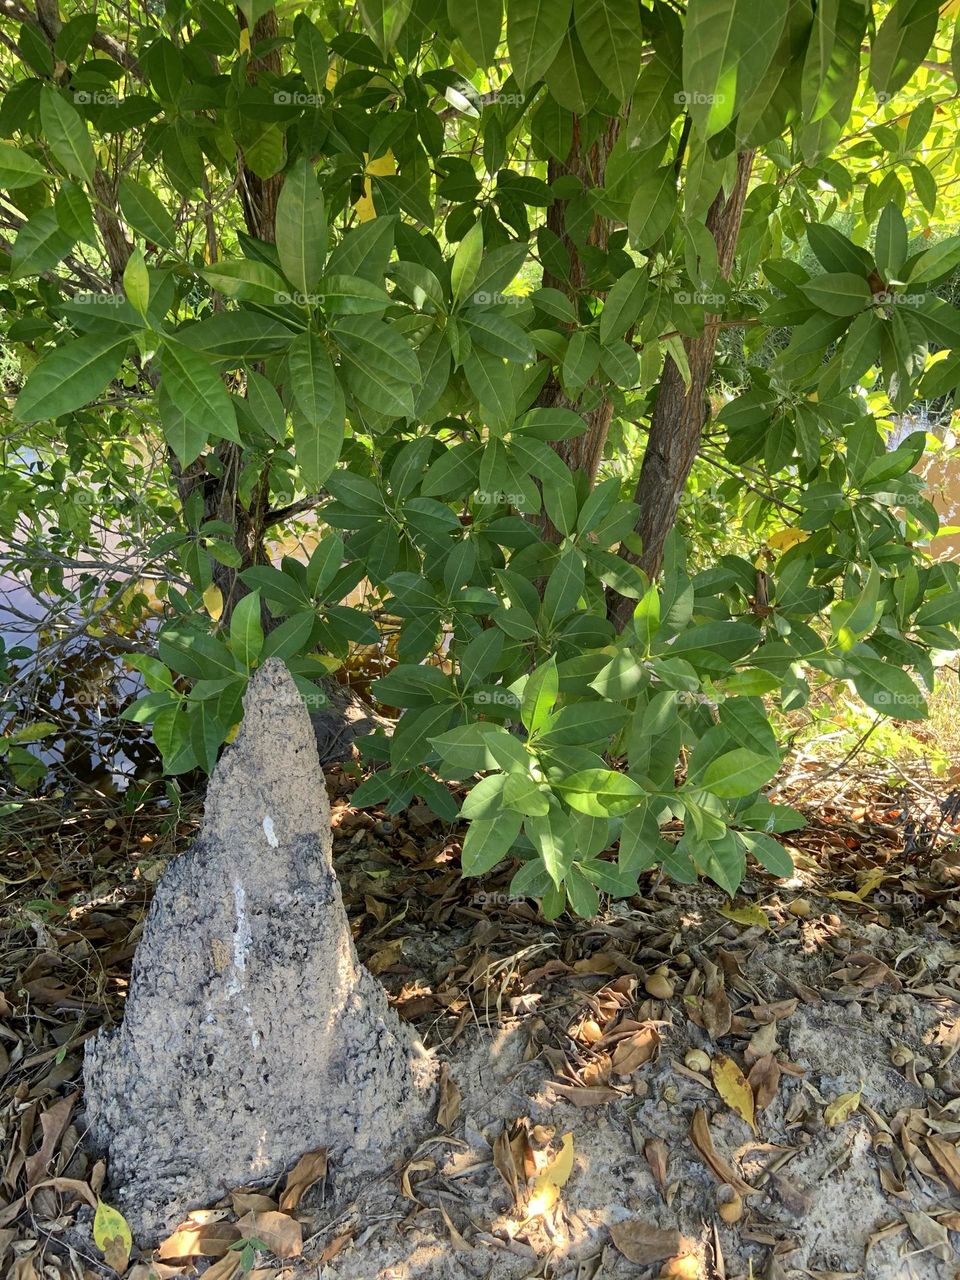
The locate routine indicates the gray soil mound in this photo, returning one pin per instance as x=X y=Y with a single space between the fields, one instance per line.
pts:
x=251 y=1032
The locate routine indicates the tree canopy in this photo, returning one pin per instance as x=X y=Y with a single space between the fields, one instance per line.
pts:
x=576 y=329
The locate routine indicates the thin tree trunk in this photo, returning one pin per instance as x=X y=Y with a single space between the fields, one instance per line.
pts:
x=588 y=164
x=680 y=414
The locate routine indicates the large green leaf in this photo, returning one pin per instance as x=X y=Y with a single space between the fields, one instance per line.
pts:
x=146 y=213
x=246 y=630
x=193 y=401
x=612 y=38
x=301 y=227
x=17 y=169
x=535 y=31
x=901 y=43
x=67 y=134
x=70 y=377
x=727 y=47
x=652 y=207
x=739 y=772
x=478 y=23
x=41 y=244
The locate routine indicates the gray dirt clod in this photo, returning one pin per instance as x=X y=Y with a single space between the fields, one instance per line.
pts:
x=251 y=1032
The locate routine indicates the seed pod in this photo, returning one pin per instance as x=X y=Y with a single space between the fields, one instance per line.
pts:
x=659 y=986
x=730 y=1204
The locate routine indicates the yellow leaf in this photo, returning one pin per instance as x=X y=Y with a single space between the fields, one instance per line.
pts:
x=213 y=599
x=112 y=1236
x=873 y=881
x=748 y=915
x=384 y=166
x=841 y=1109
x=232 y=732
x=546 y=1187
x=331 y=81
x=731 y=1084
x=786 y=538
x=245 y=40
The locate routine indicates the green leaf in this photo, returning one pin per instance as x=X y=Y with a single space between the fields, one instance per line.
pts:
x=110 y=1224
x=136 y=281
x=385 y=20
x=551 y=835
x=612 y=39
x=623 y=304
x=301 y=227
x=739 y=772
x=194 y=403
x=540 y=696
x=838 y=294
x=248 y=281
x=535 y=31
x=727 y=47
x=652 y=207
x=488 y=841
x=41 y=244
x=145 y=213
x=312 y=54
x=17 y=169
x=67 y=134
x=602 y=793
x=237 y=335
x=768 y=852
x=901 y=43
x=478 y=24
x=318 y=445
x=466 y=262
x=888 y=689
x=312 y=378
x=246 y=631
x=70 y=377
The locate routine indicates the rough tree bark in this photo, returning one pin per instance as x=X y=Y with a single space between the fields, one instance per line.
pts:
x=680 y=414
x=587 y=164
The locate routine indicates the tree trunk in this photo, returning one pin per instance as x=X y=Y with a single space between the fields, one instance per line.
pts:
x=680 y=414
x=588 y=164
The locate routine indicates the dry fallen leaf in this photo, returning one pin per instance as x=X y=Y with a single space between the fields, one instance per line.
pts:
x=764 y=1080
x=202 y=1239
x=731 y=1084
x=642 y=1243
x=586 y=1097
x=306 y=1173
x=546 y=1187
x=637 y=1049
x=224 y=1268
x=281 y=1234
x=841 y=1109
x=751 y=916
x=450 y=1099
x=701 y=1139
x=657 y=1155
x=947 y=1157
x=929 y=1233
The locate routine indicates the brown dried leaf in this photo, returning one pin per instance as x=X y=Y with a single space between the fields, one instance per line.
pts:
x=842 y=1108
x=642 y=1243
x=252 y=1202
x=636 y=1050
x=504 y=1164
x=657 y=1156
x=448 y=1112
x=764 y=1080
x=582 y=1097
x=947 y=1157
x=701 y=1139
x=731 y=1084
x=53 y=1122
x=762 y=1043
x=281 y=1234
x=456 y=1239
x=929 y=1233
x=426 y=1165
x=202 y=1239
x=306 y=1173
x=224 y=1268
x=775 y=1012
